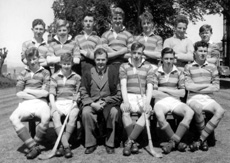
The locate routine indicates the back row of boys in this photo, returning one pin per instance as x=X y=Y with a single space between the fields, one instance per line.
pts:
x=100 y=91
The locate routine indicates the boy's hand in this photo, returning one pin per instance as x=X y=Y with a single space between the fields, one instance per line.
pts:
x=125 y=107
x=97 y=106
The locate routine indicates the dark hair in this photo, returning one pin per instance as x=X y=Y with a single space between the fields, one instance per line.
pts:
x=167 y=51
x=136 y=45
x=200 y=44
x=31 y=52
x=67 y=57
x=90 y=14
x=204 y=28
x=100 y=51
x=181 y=19
x=38 y=22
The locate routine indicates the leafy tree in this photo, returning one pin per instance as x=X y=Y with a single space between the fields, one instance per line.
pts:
x=164 y=12
x=3 y=55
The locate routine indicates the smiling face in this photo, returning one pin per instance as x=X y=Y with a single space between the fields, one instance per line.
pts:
x=88 y=23
x=62 y=31
x=33 y=62
x=180 y=29
x=101 y=61
x=168 y=60
x=206 y=35
x=66 y=66
x=117 y=21
x=147 y=26
x=201 y=54
x=38 y=30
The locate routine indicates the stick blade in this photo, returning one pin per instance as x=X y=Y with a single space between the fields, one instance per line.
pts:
x=46 y=156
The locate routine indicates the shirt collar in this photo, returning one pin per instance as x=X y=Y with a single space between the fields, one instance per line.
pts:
x=62 y=75
x=151 y=34
x=92 y=33
x=28 y=69
x=179 y=38
x=142 y=62
x=194 y=63
x=122 y=29
x=68 y=38
x=160 y=69
x=35 y=41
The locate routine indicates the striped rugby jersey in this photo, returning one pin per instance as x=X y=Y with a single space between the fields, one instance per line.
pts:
x=62 y=87
x=123 y=39
x=175 y=79
x=42 y=48
x=205 y=74
x=145 y=71
x=39 y=80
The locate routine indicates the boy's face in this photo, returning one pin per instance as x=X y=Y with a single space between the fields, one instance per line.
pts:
x=66 y=66
x=117 y=21
x=101 y=61
x=201 y=54
x=205 y=36
x=62 y=31
x=136 y=55
x=168 y=60
x=33 y=62
x=88 y=23
x=38 y=30
x=180 y=29
x=147 y=26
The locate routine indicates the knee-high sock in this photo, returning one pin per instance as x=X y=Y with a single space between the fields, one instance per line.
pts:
x=68 y=131
x=138 y=128
x=64 y=140
x=24 y=135
x=181 y=129
x=200 y=123
x=40 y=133
x=209 y=128
x=129 y=129
x=168 y=130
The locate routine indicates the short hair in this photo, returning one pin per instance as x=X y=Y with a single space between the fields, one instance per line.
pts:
x=100 y=51
x=118 y=11
x=205 y=27
x=181 y=19
x=167 y=50
x=31 y=52
x=136 y=45
x=60 y=23
x=66 y=57
x=89 y=14
x=38 y=22
x=146 y=16
x=200 y=44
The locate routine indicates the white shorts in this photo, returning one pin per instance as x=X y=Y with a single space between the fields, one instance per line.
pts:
x=28 y=109
x=136 y=102
x=203 y=100
x=169 y=102
x=64 y=106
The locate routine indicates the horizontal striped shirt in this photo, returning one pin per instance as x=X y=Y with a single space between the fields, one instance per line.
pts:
x=145 y=71
x=64 y=87
x=205 y=74
x=56 y=48
x=123 y=39
x=42 y=48
x=175 y=79
x=39 y=80
x=88 y=43
x=152 y=42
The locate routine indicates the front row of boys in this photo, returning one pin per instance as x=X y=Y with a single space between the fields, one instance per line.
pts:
x=101 y=94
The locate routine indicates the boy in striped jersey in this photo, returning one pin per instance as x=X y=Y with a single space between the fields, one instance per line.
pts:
x=38 y=28
x=117 y=40
x=151 y=41
x=62 y=43
x=32 y=88
x=201 y=79
x=131 y=94
x=87 y=40
x=62 y=94
x=169 y=87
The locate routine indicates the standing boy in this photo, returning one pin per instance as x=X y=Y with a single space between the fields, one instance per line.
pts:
x=32 y=88
x=131 y=94
x=201 y=80
x=63 y=93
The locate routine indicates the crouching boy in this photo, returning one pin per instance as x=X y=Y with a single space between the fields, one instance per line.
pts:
x=63 y=92
x=32 y=87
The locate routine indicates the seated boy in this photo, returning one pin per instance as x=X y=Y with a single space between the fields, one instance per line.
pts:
x=63 y=92
x=32 y=87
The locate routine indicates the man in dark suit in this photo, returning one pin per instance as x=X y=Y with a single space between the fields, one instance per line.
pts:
x=101 y=97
